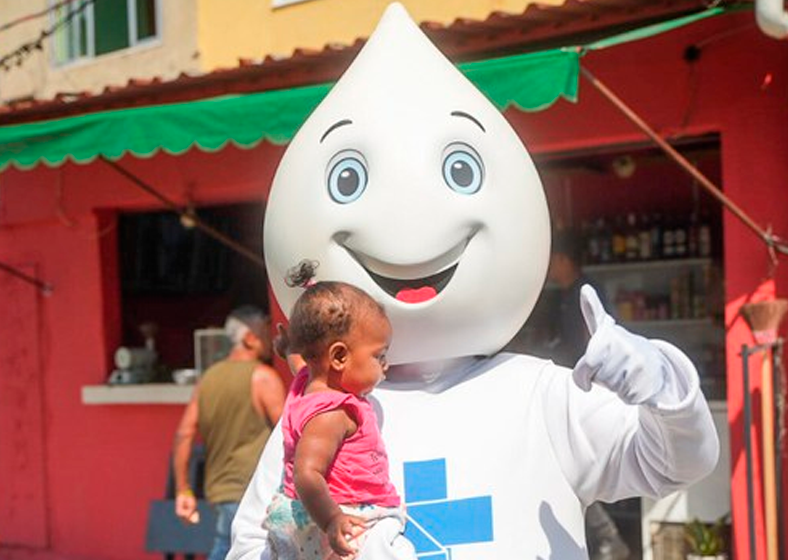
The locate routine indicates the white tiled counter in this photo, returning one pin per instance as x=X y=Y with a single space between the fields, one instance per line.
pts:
x=142 y=393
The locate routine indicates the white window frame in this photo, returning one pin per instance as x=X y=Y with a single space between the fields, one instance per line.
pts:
x=133 y=41
x=283 y=3
x=90 y=40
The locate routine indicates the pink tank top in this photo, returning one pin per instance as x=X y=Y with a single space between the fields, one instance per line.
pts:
x=360 y=471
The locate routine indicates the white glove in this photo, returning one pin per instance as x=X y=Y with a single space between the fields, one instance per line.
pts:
x=627 y=364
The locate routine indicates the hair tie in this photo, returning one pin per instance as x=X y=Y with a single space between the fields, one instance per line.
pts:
x=302 y=275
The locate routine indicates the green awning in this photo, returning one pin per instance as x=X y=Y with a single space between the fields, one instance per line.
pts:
x=529 y=82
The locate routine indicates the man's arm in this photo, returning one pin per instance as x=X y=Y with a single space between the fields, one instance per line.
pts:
x=295 y=362
x=268 y=393
x=185 y=501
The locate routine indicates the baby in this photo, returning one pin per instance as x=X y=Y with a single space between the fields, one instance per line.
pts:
x=336 y=498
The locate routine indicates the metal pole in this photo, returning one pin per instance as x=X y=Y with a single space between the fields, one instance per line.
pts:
x=45 y=288
x=187 y=215
x=748 y=450
x=778 y=459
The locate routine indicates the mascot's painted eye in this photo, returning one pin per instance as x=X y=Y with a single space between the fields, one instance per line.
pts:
x=347 y=178
x=462 y=169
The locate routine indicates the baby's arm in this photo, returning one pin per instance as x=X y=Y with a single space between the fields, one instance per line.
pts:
x=322 y=437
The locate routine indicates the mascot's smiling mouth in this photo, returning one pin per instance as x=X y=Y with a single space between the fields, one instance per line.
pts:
x=415 y=290
x=409 y=283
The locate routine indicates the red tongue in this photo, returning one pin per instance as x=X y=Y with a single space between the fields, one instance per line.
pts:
x=417 y=295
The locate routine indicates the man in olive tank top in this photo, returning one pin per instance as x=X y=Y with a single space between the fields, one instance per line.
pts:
x=233 y=409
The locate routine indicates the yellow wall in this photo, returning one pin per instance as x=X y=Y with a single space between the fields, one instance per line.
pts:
x=229 y=29
x=202 y=35
x=23 y=81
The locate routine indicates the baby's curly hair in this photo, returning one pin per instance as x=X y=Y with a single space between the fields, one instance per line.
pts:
x=302 y=275
x=325 y=313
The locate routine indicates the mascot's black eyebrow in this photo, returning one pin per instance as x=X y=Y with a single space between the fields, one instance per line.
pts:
x=333 y=127
x=469 y=117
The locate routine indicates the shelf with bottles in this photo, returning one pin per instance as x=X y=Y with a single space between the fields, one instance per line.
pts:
x=657 y=324
x=677 y=293
x=630 y=238
x=617 y=267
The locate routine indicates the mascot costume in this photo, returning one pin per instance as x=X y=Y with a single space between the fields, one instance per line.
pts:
x=407 y=182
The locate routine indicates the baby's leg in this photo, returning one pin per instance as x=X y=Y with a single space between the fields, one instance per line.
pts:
x=291 y=533
x=384 y=539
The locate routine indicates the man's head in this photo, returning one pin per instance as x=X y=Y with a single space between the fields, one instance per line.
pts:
x=248 y=327
x=565 y=258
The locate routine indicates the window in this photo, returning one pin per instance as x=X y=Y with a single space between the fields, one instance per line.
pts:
x=181 y=280
x=87 y=29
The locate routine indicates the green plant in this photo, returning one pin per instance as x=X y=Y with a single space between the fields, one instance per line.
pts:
x=706 y=539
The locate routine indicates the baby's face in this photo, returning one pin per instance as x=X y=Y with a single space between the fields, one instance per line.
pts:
x=367 y=343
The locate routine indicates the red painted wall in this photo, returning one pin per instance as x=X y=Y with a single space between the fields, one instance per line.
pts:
x=103 y=464
x=739 y=89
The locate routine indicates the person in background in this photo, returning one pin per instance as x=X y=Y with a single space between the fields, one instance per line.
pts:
x=233 y=408
x=567 y=346
x=570 y=336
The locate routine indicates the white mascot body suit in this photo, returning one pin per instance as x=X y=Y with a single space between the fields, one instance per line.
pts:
x=407 y=182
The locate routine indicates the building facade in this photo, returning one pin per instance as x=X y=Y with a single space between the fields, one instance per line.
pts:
x=81 y=462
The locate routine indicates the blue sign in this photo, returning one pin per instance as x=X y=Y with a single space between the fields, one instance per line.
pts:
x=436 y=523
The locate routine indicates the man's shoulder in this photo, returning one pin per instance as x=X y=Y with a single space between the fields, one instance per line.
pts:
x=263 y=371
x=220 y=370
x=214 y=369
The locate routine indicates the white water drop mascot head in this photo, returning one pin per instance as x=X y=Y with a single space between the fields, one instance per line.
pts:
x=407 y=182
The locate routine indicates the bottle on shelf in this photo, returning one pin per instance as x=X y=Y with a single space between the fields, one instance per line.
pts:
x=644 y=238
x=605 y=241
x=692 y=236
x=704 y=237
x=589 y=233
x=668 y=239
x=680 y=239
x=663 y=308
x=631 y=243
x=675 y=298
x=656 y=236
x=686 y=295
x=624 y=307
x=619 y=240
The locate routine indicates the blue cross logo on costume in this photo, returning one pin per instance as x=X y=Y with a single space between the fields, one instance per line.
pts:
x=436 y=523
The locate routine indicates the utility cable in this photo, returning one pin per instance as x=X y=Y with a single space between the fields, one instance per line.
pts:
x=36 y=15
x=18 y=56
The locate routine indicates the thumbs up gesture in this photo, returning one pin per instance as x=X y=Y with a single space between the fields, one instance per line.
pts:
x=627 y=364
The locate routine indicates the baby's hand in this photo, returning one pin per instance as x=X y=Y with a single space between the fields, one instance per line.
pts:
x=341 y=530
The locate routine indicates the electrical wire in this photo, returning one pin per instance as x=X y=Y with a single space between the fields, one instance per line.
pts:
x=36 y=15
x=18 y=56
